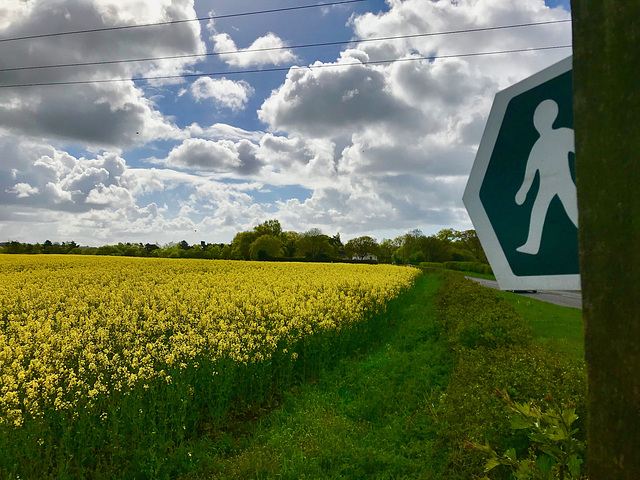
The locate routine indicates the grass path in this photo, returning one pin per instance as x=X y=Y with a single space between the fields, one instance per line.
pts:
x=367 y=418
x=371 y=416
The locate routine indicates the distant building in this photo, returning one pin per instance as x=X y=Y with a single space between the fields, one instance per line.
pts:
x=365 y=257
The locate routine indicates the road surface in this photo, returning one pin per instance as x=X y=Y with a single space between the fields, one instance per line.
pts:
x=565 y=298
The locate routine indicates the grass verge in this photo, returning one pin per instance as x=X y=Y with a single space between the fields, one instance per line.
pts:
x=404 y=408
x=496 y=347
x=553 y=325
x=486 y=276
x=369 y=417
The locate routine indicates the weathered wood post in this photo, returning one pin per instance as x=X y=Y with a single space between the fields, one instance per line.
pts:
x=606 y=89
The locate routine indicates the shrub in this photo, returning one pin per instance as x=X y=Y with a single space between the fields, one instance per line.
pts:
x=555 y=452
x=473 y=316
x=437 y=265
x=476 y=267
x=493 y=350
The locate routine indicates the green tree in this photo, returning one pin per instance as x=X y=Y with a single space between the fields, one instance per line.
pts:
x=362 y=247
x=150 y=247
x=433 y=249
x=386 y=249
x=111 y=250
x=227 y=252
x=270 y=227
x=265 y=247
x=470 y=240
x=400 y=255
x=447 y=235
x=14 y=247
x=47 y=246
x=336 y=241
x=241 y=244
x=408 y=244
x=68 y=247
x=464 y=246
x=313 y=244
x=289 y=243
x=213 y=252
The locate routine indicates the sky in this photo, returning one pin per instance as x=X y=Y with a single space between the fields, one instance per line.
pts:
x=250 y=122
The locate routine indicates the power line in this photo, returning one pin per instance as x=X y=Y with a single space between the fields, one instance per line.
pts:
x=282 y=69
x=174 y=22
x=308 y=45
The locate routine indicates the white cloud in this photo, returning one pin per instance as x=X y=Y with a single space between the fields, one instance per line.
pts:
x=23 y=190
x=219 y=131
x=383 y=148
x=112 y=115
x=266 y=50
x=223 y=92
x=101 y=200
x=405 y=133
x=326 y=102
x=221 y=155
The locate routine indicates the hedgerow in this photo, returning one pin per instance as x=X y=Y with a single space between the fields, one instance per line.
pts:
x=474 y=317
x=476 y=267
x=494 y=349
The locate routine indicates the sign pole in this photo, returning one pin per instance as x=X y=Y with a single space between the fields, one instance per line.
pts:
x=606 y=102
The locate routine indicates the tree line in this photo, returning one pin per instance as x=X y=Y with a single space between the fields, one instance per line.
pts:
x=268 y=241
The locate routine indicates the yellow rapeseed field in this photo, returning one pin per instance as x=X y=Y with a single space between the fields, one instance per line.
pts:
x=74 y=328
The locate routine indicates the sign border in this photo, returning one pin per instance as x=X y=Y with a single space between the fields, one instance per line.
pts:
x=507 y=280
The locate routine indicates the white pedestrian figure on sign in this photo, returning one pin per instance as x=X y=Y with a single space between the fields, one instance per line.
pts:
x=549 y=156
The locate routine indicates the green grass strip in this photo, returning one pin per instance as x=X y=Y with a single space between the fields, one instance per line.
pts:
x=553 y=325
x=370 y=417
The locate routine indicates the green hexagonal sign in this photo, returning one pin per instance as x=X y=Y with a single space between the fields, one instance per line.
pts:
x=521 y=193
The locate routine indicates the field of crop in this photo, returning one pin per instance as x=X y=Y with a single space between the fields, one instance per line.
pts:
x=107 y=358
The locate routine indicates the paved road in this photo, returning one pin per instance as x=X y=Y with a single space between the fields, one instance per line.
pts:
x=565 y=298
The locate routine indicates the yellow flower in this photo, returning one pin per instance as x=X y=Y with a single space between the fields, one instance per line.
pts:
x=77 y=328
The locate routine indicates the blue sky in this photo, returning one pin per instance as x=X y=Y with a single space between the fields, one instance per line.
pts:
x=345 y=146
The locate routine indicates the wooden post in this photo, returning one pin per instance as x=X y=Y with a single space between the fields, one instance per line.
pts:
x=606 y=89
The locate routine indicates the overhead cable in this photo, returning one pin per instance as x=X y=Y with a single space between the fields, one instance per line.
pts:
x=290 y=47
x=282 y=69
x=175 y=22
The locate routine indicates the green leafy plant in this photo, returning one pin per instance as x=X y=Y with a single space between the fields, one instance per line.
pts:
x=555 y=452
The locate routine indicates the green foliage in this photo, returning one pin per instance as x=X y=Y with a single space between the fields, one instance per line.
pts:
x=494 y=349
x=414 y=247
x=264 y=247
x=555 y=452
x=559 y=328
x=315 y=245
x=368 y=416
x=386 y=249
x=434 y=249
x=463 y=244
x=242 y=243
x=289 y=241
x=476 y=267
x=431 y=264
x=362 y=247
x=270 y=227
x=468 y=409
x=416 y=257
x=474 y=317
